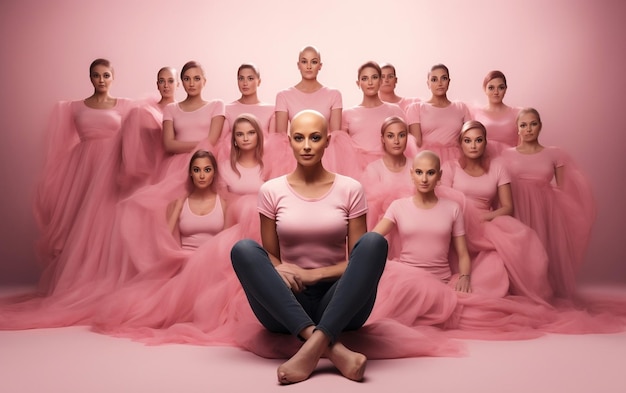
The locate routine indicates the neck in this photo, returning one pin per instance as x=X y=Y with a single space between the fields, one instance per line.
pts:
x=205 y=193
x=247 y=158
x=425 y=200
x=164 y=101
x=389 y=97
x=529 y=147
x=196 y=98
x=100 y=97
x=251 y=99
x=472 y=164
x=308 y=85
x=496 y=106
x=310 y=174
x=394 y=162
x=439 y=100
x=371 y=101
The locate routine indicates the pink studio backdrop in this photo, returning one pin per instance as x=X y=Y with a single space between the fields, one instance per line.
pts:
x=564 y=57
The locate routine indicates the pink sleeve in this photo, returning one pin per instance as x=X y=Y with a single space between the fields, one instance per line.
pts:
x=558 y=157
x=281 y=102
x=219 y=109
x=413 y=114
x=167 y=112
x=336 y=102
x=266 y=202
x=502 y=174
x=466 y=112
x=357 y=204
x=390 y=214
x=458 y=228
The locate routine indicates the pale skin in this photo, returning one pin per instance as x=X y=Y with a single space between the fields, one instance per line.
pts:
x=387 y=90
x=193 y=83
x=309 y=138
x=309 y=64
x=473 y=144
x=425 y=173
x=246 y=139
x=369 y=83
x=438 y=82
x=248 y=82
x=166 y=84
x=528 y=128
x=495 y=90
x=201 y=200
x=394 y=140
x=101 y=78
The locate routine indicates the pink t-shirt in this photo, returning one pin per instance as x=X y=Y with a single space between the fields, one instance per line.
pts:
x=482 y=191
x=363 y=124
x=324 y=100
x=425 y=234
x=193 y=126
x=440 y=126
x=405 y=102
x=248 y=182
x=501 y=126
x=535 y=167
x=195 y=229
x=312 y=231
x=377 y=175
x=263 y=113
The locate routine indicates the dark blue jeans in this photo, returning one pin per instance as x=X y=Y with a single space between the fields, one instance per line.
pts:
x=331 y=307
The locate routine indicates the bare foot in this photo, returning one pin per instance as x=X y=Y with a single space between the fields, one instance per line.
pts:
x=351 y=364
x=302 y=364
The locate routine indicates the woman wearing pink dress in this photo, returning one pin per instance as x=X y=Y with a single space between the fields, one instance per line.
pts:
x=248 y=81
x=387 y=91
x=553 y=198
x=309 y=93
x=78 y=191
x=389 y=177
x=507 y=256
x=436 y=123
x=190 y=123
x=498 y=118
x=363 y=121
x=418 y=285
x=142 y=136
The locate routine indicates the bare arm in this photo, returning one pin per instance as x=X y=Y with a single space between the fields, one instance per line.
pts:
x=416 y=130
x=460 y=246
x=282 y=121
x=505 y=200
x=170 y=143
x=172 y=214
x=215 y=130
x=335 y=120
x=384 y=226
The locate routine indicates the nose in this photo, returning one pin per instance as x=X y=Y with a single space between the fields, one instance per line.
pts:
x=307 y=146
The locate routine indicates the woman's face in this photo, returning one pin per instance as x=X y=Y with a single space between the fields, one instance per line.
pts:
x=308 y=139
x=247 y=81
x=438 y=82
x=246 y=137
x=394 y=139
x=528 y=127
x=388 y=79
x=495 y=90
x=202 y=173
x=369 y=81
x=309 y=64
x=473 y=143
x=101 y=78
x=425 y=174
x=193 y=81
x=166 y=83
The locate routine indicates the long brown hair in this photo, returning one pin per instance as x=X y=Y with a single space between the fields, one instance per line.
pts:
x=235 y=151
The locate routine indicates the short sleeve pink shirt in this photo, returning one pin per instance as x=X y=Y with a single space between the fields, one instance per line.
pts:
x=193 y=126
x=324 y=100
x=363 y=124
x=312 y=231
x=440 y=126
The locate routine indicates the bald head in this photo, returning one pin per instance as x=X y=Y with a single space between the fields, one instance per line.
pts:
x=427 y=155
x=310 y=120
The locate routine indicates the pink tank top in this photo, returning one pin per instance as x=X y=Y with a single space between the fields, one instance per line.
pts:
x=195 y=229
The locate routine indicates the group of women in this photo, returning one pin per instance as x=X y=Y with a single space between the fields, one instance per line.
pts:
x=474 y=226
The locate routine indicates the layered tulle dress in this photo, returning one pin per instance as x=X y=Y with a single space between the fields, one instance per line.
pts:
x=507 y=256
x=562 y=217
x=440 y=127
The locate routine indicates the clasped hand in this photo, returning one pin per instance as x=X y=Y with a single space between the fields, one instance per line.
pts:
x=295 y=277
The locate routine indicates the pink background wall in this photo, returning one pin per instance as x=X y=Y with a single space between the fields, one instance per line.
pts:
x=564 y=57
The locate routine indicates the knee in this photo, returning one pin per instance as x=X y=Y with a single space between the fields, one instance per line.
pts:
x=375 y=241
x=243 y=251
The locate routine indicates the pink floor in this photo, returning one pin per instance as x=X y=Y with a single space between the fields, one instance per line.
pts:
x=74 y=359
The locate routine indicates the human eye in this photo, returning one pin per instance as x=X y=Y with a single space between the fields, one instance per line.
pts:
x=466 y=140
x=161 y=81
x=444 y=78
x=185 y=78
x=106 y=75
x=240 y=78
x=403 y=135
x=490 y=87
x=433 y=79
x=502 y=87
x=250 y=78
x=375 y=76
x=522 y=125
x=196 y=78
x=534 y=124
x=479 y=140
x=196 y=169
x=298 y=138
x=208 y=169
x=239 y=134
x=170 y=81
x=314 y=62
x=364 y=79
x=418 y=172
x=316 y=137
x=389 y=135
x=431 y=172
